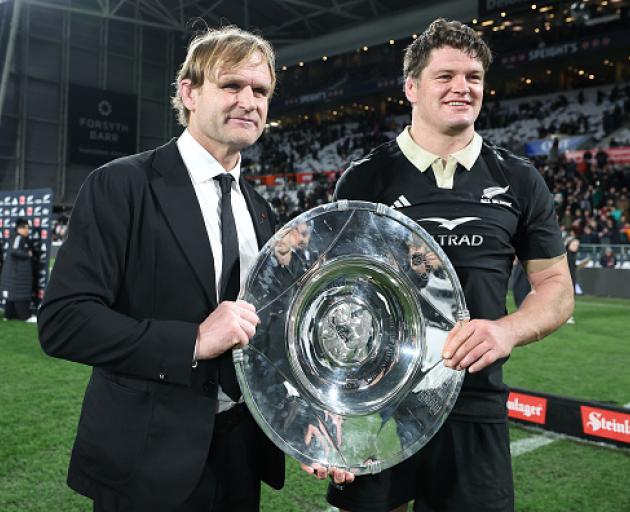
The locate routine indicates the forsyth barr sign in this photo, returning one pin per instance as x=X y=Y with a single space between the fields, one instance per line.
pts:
x=527 y=407
x=101 y=125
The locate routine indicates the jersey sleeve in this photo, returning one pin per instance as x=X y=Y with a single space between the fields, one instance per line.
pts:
x=350 y=186
x=538 y=235
x=362 y=181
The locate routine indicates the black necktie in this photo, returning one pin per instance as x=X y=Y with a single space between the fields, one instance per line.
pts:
x=230 y=278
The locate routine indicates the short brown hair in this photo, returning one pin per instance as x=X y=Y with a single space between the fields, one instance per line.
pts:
x=213 y=50
x=443 y=33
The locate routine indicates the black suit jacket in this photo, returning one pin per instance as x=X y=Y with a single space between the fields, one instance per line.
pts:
x=129 y=288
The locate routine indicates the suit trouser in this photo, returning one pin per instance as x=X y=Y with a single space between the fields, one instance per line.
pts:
x=230 y=481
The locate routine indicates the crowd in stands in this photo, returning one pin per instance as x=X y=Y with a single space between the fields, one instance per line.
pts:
x=597 y=112
x=291 y=200
x=315 y=146
x=312 y=146
x=592 y=200
x=592 y=197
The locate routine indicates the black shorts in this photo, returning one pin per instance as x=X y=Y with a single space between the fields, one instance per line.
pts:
x=466 y=466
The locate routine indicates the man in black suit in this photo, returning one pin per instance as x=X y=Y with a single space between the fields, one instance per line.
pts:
x=144 y=290
x=16 y=278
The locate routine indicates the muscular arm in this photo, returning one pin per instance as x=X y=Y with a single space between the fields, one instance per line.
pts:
x=479 y=343
x=548 y=305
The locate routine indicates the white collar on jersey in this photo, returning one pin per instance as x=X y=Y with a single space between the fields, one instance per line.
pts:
x=422 y=159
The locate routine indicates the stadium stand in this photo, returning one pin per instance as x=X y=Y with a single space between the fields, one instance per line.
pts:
x=595 y=111
x=590 y=189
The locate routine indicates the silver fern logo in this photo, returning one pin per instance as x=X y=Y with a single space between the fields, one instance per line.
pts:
x=488 y=196
x=490 y=192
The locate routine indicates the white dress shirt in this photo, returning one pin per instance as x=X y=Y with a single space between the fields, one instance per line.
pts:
x=202 y=168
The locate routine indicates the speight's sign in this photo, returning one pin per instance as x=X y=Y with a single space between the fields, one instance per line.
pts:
x=571 y=48
x=101 y=125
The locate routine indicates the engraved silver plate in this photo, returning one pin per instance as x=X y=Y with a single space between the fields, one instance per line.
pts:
x=345 y=370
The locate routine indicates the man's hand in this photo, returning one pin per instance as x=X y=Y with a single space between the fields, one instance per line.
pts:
x=477 y=344
x=339 y=476
x=231 y=325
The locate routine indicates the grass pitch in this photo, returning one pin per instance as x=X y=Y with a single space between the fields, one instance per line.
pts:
x=40 y=400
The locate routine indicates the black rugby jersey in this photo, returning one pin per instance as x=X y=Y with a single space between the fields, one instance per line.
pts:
x=501 y=207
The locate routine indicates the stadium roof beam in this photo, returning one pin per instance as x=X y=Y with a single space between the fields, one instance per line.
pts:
x=374 y=32
x=375 y=5
x=208 y=11
x=8 y=56
x=117 y=7
x=307 y=29
x=297 y=13
x=318 y=11
x=155 y=17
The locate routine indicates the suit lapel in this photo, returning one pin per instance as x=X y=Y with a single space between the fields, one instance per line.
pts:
x=174 y=191
x=258 y=211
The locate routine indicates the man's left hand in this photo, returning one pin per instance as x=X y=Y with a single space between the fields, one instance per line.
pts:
x=477 y=344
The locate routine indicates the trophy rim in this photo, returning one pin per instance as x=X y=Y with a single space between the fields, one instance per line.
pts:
x=461 y=313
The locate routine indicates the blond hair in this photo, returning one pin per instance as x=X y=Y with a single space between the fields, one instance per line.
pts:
x=214 y=50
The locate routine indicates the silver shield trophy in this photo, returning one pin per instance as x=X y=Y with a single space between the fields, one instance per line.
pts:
x=345 y=370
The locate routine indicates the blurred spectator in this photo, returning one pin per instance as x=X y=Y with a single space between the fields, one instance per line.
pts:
x=624 y=230
x=554 y=152
x=601 y=157
x=16 y=280
x=572 y=246
x=608 y=259
x=587 y=236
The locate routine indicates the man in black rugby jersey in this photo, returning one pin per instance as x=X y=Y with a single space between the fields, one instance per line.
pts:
x=483 y=205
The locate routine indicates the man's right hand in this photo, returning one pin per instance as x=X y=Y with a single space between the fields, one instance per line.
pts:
x=230 y=325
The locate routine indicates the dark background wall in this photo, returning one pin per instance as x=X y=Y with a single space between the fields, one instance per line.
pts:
x=55 y=49
x=605 y=282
